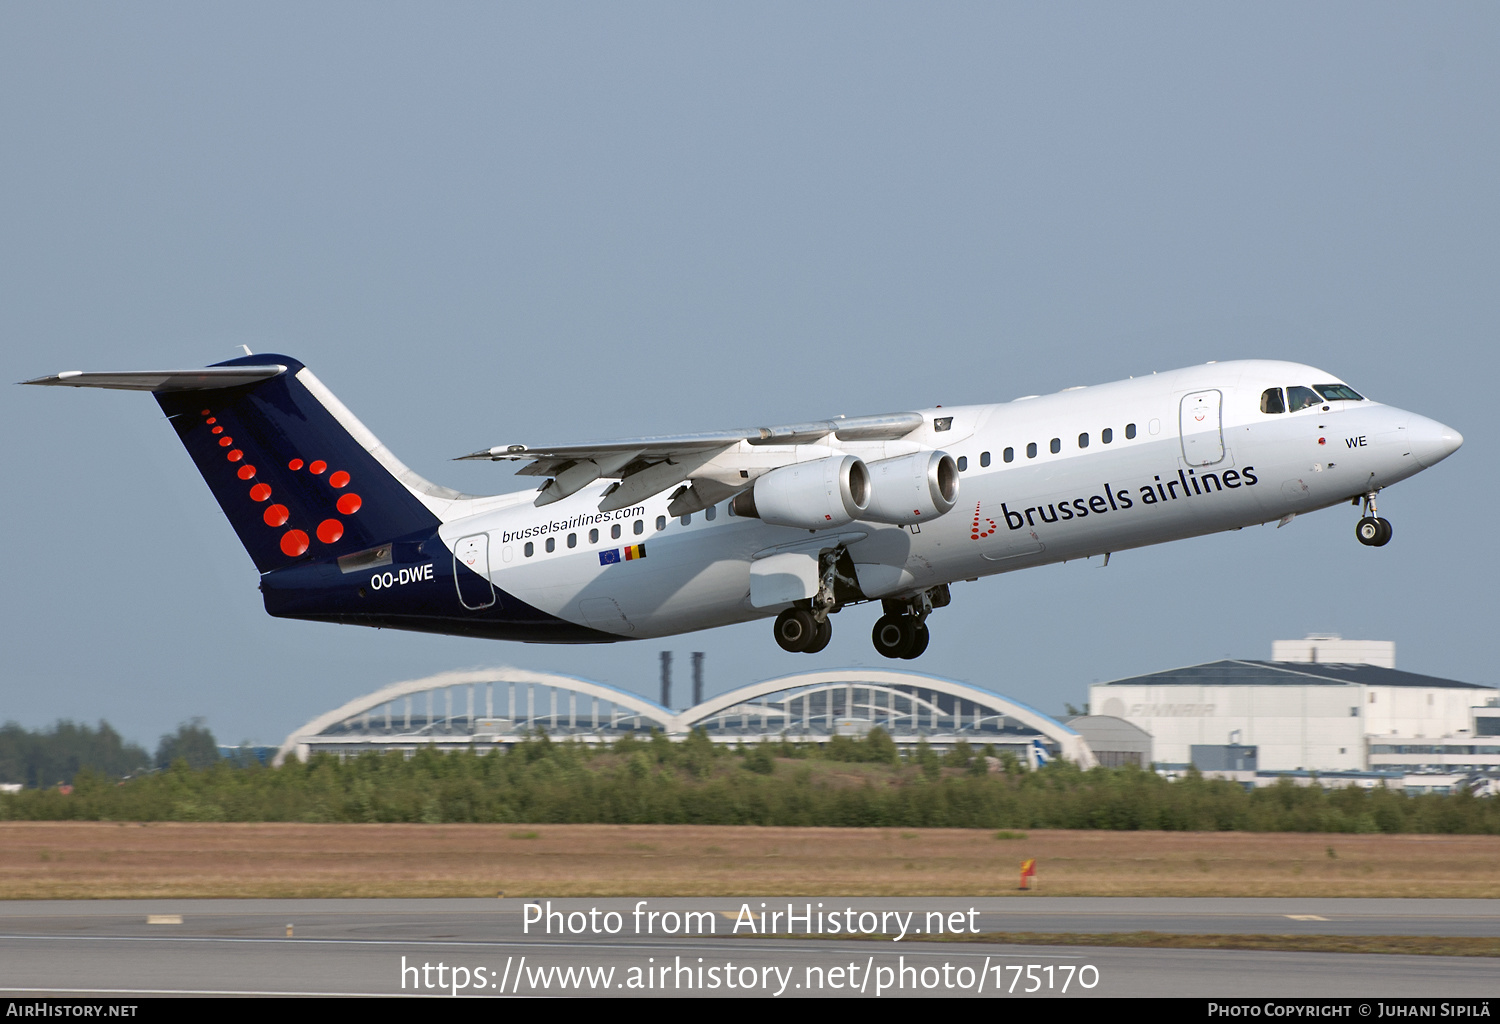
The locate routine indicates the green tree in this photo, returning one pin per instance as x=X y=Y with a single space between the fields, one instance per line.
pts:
x=928 y=760
x=698 y=753
x=42 y=759
x=192 y=742
x=759 y=760
x=959 y=756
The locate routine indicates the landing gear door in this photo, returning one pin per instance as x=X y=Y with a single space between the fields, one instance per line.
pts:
x=1202 y=421
x=471 y=571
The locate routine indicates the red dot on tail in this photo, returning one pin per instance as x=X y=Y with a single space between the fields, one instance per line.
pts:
x=330 y=530
x=211 y=420
x=277 y=515
x=316 y=467
x=339 y=479
x=205 y=412
x=235 y=455
x=246 y=472
x=260 y=492
x=294 y=465
x=293 y=543
x=225 y=442
x=218 y=430
x=349 y=504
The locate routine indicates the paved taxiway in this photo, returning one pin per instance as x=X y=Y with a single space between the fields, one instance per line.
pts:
x=357 y=947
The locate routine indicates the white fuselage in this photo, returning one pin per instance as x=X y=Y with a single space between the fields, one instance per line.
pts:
x=1187 y=453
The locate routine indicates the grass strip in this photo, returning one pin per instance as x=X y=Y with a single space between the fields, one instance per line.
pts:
x=1410 y=945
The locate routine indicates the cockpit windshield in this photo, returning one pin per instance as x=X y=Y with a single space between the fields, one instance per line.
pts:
x=1299 y=398
x=1339 y=393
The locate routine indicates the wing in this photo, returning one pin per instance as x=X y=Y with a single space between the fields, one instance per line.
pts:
x=714 y=465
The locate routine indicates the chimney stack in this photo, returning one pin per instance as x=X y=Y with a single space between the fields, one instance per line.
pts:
x=666 y=679
x=697 y=678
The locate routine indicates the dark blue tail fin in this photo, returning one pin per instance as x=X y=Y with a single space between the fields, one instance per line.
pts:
x=295 y=483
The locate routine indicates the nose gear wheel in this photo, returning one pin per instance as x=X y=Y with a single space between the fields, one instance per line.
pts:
x=1371 y=530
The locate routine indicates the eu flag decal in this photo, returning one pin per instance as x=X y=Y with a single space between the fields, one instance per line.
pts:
x=635 y=551
x=609 y=557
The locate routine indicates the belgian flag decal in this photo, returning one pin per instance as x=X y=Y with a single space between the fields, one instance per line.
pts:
x=612 y=556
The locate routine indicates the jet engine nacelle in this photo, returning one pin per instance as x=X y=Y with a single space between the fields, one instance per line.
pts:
x=912 y=489
x=814 y=495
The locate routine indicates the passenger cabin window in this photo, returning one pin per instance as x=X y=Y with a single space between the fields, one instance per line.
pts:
x=1338 y=393
x=1031 y=450
x=661 y=522
x=984 y=458
x=963 y=463
x=1106 y=435
x=1299 y=398
x=711 y=513
x=1056 y=445
x=572 y=540
x=1271 y=401
x=551 y=544
x=530 y=549
x=640 y=526
x=1083 y=440
x=1009 y=455
x=1129 y=431
x=593 y=536
x=687 y=519
x=614 y=531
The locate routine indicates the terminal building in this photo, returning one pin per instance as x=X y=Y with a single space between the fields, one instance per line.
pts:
x=1322 y=709
x=486 y=709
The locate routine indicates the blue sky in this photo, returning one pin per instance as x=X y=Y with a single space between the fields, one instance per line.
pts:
x=484 y=223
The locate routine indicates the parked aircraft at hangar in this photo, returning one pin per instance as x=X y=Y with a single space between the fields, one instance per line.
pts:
x=654 y=536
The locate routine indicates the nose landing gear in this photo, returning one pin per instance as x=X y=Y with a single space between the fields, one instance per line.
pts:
x=1371 y=530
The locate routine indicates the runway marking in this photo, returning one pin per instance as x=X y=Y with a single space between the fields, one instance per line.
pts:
x=206 y=992
x=1305 y=917
x=741 y=945
x=163 y=918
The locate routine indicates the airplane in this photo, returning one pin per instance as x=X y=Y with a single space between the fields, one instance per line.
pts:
x=654 y=536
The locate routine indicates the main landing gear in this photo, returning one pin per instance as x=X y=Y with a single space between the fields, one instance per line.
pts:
x=1371 y=530
x=804 y=627
x=902 y=631
x=797 y=629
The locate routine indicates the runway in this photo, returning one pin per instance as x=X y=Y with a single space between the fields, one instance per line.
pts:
x=498 y=947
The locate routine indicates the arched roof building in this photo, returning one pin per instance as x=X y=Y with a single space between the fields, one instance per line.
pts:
x=487 y=708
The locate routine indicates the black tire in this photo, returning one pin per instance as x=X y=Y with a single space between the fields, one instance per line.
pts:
x=919 y=642
x=795 y=629
x=1385 y=533
x=1369 y=532
x=821 y=638
x=893 y=635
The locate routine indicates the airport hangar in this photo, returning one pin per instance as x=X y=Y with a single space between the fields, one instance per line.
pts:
x=1338 y=710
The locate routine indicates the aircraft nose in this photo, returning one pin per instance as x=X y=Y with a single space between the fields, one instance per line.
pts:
x=1432 y=442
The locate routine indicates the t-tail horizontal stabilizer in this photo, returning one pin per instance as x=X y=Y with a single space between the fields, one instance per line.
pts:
x=280 y=459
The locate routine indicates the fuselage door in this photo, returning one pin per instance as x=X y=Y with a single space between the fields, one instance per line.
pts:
x=471 y=571
x=1202 y=428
